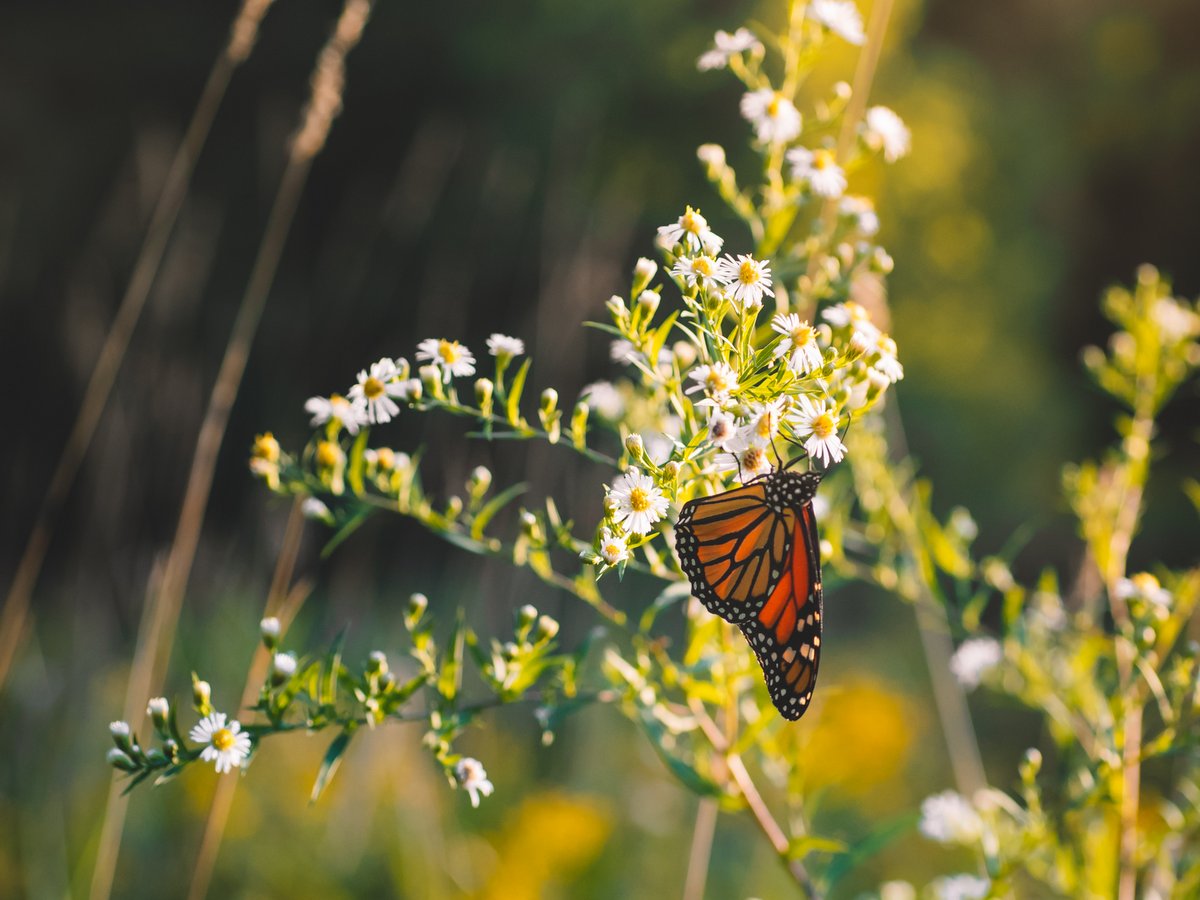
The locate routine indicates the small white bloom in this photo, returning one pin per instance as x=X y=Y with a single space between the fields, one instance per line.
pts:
x=949 y=818
x=1144 y=586
x=644 y=269
x=762 y=425
x=1175 y=321
x=503 y=345
x=335 y=406
x=692 y=231
x=315 y=509
x=158 y=708
x=473 y=779
x=638 y=500
x=722 y=429
x=819 y=170
x=725 y=46
x=852 y=315
x=799 y=343
x=270 y=628
x=375 y=389
x=961 y=887
x=887 y=363
x=226 y=745
x=841 y=17
x=604 y=398
x=698 y=271
x=718 y=380
x=283 y=666
x=748 y=279
x=749 y=463
x=886 y=131
x=974 y=659
x=862 y=211
x=119 y=729
x=774 y=117
x=623 y=351
x=451 y=357
x=613 y=548
x=817 y=425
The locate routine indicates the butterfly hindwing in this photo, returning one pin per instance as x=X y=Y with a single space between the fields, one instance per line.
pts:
x=733 y=547
x=785 y=634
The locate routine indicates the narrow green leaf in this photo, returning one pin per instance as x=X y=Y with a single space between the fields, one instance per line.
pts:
x=329 y=765
x=450 y=678
x=351 y=525
x=513 y=403
x=358 y=463
x=493 y=506
x=801 y=847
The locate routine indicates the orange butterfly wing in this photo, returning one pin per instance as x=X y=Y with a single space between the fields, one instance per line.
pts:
x=786 y=632
x=734 y=547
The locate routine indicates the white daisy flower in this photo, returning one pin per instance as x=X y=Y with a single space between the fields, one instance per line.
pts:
x=862 y=211
x=887 y=363
x=717 y=380
x=961 y=887
x=604 y=398
x=749 y=463
x=851 y=314
x=762 y=425
x=613 y=548
x=1144 y=586
x=774 y=117
x=841 y=17
x=973 y=659
x=473 y=779
x=226 y=745
x=639 y=502
x=886 y=131
x=817 y=425
x=722 y=429
x=748 y=279
x=819 y=170
x=692 y=231
x=799 y=343
x=949 y=818
x=375 y=389
x=450 y=356
x=503 y=345
x=698 y=271
x=335 y=406
x=725 y=46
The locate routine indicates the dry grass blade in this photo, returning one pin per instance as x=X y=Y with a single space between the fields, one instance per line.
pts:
x=155 y=640
x=13 y=621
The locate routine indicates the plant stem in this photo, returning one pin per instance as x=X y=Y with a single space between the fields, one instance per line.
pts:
x=702 y=842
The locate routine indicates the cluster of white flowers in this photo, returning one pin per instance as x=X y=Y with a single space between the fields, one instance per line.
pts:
x=949 y=818
x=974 y=659
x=636 y=502
x=961 y=887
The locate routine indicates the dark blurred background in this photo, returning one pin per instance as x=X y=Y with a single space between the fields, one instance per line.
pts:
x=499 y=167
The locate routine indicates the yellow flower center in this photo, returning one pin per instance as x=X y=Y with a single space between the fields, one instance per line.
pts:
x=802 y=335
x=1146 y=583
x=373 y=388
x=765 y=425
x=774 y=105
x=752 y=459
x=327 y=454
x=692 y=222
x=223 y=739
x=639 y=500
x=716 y=381
x=748 y=272
x=823 y=425
x=822 y=159
x=266 y=447
x=612 y=549
x=703 y=266
x=386 y=458
x=449 y=351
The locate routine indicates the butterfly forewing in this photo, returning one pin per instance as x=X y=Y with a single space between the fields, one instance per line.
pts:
x=734 y=548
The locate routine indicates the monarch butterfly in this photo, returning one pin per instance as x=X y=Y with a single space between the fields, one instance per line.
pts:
x=753 y=558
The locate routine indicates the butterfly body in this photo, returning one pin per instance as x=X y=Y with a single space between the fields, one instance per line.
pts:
x=753 y=558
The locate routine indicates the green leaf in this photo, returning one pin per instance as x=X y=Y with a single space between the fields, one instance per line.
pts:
x=358 y=463
x=799 y=848
x=450 y=678
x=351 y=525
x=329 y=765
x=329 y=680
x=512 y=404
x=671 y=594
x=493 y=506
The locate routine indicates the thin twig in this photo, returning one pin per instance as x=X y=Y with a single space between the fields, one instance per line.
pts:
x=283 y=604
x=154 y=643
x=702 y=843
x=112 y=353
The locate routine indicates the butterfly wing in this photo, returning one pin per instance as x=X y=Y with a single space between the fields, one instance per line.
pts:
x=785 y=634
x=733 y=548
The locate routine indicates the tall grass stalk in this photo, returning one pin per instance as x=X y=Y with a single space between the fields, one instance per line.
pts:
x=14 y=619
x=155 y=640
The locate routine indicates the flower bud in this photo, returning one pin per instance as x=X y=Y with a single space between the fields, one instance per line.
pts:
x=616 y=307
x=122 y=736
x=712 y=155
x=171 y=750
x=685 y=353
x=283 y=667
x=377 y=663
x=579 y=421
x=547 y=628
x=670 y=470
x=642 y=273
x=480 y=481
x=270 y=629
x=648 y=303
x=842 y=91
x=266 y=447
x=882 y=262
x=158 y=710
x=120 y=760
x=402 y=368
x=526 y=616
x=329 y=455
x=483 y=393
x=549 y=401
x=201 y=695
x=635 y=446
x=431 y=380
x=417 y=604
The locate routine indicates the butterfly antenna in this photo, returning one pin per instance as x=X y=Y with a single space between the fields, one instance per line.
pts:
x=775 y=450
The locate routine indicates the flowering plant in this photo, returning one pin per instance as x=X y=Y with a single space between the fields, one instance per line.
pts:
x=727 y=358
